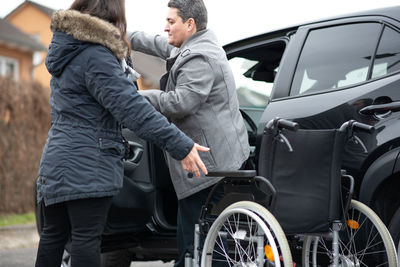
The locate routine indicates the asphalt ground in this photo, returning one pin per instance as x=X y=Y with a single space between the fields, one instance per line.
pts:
x=19 y=236
x=18 y=245
x=18 y=248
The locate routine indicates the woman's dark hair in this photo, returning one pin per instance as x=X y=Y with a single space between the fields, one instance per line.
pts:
x=112 y=11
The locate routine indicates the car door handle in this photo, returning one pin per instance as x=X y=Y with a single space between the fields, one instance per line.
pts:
x=381 y=111
x=132 y=161
x=135 y=153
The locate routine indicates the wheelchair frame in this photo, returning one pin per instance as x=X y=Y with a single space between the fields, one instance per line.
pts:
x=268 y=241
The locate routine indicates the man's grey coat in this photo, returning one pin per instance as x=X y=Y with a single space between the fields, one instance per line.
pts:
x=200 y=98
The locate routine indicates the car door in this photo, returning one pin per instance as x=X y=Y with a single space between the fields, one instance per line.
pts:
x=147 y=201
x=255 y=63
x=132 y=208
x=330 y=72
x=333 y=69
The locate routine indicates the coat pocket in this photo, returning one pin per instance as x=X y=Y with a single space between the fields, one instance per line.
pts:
x=111 y=147
x=207 y=158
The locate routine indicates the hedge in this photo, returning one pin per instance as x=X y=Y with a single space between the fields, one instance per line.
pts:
x=24 y=123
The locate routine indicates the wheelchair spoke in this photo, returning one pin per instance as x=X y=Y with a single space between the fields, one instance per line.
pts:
x=364 y=241
x=243 y=238
x=234 y=230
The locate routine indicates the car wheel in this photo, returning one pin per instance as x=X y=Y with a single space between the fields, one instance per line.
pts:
x=394 y=229
x=118 y=258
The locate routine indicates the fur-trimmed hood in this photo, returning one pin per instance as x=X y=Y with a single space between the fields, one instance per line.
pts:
x=86 y=28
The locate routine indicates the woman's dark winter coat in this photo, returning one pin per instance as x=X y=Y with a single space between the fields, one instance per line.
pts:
x=91 y=98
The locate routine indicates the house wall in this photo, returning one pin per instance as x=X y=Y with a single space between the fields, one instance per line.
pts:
x=24 y=60
x=34 y=22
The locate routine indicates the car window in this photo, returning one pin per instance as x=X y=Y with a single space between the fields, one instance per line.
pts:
x=251 y=93
x=335 y=57
x=387 y=59
x=254 y=71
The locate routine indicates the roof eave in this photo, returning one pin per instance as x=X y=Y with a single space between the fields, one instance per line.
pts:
x=42 y=8
x=21 y=46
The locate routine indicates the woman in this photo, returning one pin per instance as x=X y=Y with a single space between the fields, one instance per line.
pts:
x=91 y=97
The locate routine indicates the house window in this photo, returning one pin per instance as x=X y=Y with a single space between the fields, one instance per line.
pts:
x=9 y=68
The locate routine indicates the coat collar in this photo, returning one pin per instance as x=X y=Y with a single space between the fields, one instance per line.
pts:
x=91 y=29
x=199 y=36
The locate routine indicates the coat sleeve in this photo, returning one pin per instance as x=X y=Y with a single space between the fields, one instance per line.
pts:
x=108 y=84
x=155 y=45
x=194 y=81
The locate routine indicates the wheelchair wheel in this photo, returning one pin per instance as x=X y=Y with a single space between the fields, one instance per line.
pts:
x=246 y=234
x=363 y=241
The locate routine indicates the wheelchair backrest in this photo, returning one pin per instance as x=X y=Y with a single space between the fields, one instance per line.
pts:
x=307 y=179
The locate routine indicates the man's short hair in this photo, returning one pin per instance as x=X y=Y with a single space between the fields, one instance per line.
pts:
x=191 y=9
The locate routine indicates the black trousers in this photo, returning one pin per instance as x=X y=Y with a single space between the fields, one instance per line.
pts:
x=81 y=221
x=188 y=215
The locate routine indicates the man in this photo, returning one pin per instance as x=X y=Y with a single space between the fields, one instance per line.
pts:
x=198 y=94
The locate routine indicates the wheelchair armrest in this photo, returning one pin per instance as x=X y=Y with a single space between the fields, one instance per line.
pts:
x=238 y=173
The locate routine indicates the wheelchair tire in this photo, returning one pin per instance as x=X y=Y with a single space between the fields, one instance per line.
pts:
x=246 y=234
x=365 y=241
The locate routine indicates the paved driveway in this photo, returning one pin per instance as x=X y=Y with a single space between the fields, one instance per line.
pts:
x=18 y=247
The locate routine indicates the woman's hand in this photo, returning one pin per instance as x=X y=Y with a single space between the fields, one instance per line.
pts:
x=192 y=162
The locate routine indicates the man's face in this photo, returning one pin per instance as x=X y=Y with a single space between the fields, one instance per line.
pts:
x=178 y=31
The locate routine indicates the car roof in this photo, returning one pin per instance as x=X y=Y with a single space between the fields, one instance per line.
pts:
x=390 y=12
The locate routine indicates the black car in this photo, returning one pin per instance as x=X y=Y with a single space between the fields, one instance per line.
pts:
x=320 y=75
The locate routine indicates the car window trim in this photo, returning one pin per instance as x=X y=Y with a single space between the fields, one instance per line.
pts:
x=371 y=66
x=302 y=34
x=233 y=52
x=384 y=25
x=336 y=89
x=324 y=25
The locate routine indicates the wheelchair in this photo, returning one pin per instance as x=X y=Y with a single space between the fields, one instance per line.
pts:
x=299 y=199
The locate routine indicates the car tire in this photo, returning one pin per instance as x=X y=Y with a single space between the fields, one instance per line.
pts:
x=118 y=258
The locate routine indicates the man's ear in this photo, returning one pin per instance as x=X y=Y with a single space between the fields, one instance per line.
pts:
x=191 y=25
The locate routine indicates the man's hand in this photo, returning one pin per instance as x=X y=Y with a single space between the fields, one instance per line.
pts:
x=192 y=161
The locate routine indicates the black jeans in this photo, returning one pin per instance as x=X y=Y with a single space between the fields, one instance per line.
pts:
x=81 y=221
x=188 y=215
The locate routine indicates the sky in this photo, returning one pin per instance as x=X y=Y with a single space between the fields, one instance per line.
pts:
x=231 y=20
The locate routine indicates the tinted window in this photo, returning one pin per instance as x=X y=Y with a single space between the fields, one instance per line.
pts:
x=255 y=70
x=387 y=58
x=251 y=92
x=335 y=57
